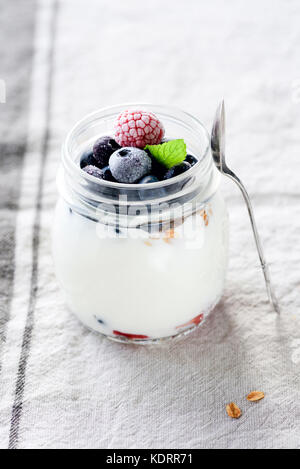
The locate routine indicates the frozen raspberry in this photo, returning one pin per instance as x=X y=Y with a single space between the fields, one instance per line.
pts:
x=138 y=129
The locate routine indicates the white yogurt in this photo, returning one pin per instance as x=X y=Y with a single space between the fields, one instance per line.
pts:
x=137 y=285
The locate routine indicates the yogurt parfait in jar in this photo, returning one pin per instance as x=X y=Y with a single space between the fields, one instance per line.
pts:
x=140 y=237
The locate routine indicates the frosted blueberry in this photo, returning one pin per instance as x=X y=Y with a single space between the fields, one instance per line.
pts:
x=177 y=169
x=158 y=169
x=103 y=149
x=191 y=160
x=88 y=159
x=94 y=171
x=106 y=174
x=129 y=164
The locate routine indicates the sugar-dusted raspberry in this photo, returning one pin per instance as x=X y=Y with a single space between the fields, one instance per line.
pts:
x=138 y=129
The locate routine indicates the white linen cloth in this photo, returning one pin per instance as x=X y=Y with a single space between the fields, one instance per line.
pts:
x=62 y=386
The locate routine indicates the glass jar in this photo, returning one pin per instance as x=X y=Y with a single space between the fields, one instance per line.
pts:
x=140 y=262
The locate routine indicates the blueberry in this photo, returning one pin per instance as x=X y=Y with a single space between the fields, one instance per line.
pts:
x=192 y=160
x=129 y=164
x=87 y=159
x=177 y=169
x=103 y=148
x=94 y=171
x=148 y=179
x=148 y=194
x=158 y=169
x=106 y=174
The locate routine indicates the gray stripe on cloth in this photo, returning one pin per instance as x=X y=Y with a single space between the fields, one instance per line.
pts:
x=25 y=352
x=16 y=49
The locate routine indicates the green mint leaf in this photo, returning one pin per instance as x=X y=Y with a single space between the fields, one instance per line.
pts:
x=169 y=153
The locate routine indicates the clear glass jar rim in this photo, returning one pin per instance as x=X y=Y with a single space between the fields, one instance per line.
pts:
x=69 y=162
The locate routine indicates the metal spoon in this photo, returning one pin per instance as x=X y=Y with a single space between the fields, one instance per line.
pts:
x=218 y=152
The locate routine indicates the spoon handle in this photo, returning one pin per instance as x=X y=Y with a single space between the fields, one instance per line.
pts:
x=265 y=268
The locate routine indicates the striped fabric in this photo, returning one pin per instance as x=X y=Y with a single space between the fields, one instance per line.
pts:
x=62 y=386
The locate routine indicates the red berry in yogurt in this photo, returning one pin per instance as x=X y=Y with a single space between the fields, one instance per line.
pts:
x=130 y=336
x=197 y=320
